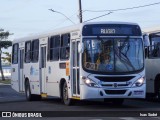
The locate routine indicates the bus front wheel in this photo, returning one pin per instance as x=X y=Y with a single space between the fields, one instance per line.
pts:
x=66 y=100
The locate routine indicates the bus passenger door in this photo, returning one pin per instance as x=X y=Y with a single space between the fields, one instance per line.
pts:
x=42 y=67
x=21 y=75
x=75 y=69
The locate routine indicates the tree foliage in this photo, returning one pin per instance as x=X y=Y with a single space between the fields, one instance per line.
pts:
x=7 y=58
x=4 y=35
x=4 y=43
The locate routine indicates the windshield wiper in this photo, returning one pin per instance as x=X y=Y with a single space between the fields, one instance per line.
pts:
x=123 y=56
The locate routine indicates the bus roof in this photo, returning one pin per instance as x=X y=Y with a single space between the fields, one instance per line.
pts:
x=76 y=27
x=154 y=29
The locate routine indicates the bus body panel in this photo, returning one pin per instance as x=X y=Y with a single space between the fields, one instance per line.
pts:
x=33 y=75
x=17 y=70
x=93 y=93
x=152 y=70
x=152 y=61
x=14 y=77
x=54 y=77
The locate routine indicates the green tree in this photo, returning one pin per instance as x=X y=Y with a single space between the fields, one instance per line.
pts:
x=4 y=43
x=7 y=57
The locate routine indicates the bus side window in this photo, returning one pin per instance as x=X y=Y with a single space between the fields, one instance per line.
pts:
x=65 y=46
x=155 y=50
x=48 y=49
x=35 y=50
x=15 y=54
x=28 y=51
x=54 y=44
x=146 y=50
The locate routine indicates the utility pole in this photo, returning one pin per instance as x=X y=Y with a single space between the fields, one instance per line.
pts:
x=80 y=12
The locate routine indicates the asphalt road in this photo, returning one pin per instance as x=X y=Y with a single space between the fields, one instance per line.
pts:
x=10 y=100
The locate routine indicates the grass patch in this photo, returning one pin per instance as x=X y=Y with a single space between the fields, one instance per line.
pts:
x=7 y=81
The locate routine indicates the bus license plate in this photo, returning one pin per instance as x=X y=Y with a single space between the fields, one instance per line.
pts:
x=138 y=92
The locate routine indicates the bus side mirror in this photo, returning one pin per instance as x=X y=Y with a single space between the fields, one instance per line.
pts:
x=80 y=47
x=146 y=40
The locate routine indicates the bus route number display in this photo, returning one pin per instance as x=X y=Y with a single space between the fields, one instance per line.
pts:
x=108 y=31
x=111 y=30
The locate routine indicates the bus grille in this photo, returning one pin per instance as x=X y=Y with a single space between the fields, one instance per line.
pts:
x=115 y=79
x=112 y=85
x=115 y=92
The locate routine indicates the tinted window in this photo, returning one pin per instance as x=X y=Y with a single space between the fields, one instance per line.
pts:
x=28 y=51
x=21 y=58
x=15 y=54
x=65 y=49
x=54 y=46
x=154 y=49
x=35 y=50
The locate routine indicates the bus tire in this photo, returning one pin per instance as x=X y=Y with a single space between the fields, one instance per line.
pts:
x=157 y=88
x=66 y=100
x=29 y=96
x=28 y=91
x=158 y=92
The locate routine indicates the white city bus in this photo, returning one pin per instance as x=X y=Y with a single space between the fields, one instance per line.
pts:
x=153 y=62
x=103 y=60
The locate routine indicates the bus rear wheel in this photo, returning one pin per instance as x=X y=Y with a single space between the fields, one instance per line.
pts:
x=158 y=93
x=66 y=100
x=29 y=96
x=28 y=91
x=157 y=88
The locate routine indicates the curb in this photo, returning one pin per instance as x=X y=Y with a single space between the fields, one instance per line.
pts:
x=4 y=84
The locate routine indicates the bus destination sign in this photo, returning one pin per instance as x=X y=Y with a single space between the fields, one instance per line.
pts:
x=108 y=31
x=111 y=30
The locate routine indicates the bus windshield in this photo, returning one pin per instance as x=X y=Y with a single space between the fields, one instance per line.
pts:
x=113 y=55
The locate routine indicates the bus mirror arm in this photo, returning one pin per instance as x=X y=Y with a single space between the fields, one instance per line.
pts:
x=146 y=40
x=80 y=47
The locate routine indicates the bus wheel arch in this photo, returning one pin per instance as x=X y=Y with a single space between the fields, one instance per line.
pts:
x=157 y=86
x=64 y=93
x=29 y=95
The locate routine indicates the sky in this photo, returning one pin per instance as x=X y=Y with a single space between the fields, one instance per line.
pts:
x=25 y=17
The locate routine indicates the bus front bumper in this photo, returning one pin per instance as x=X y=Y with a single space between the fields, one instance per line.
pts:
x=94 y=93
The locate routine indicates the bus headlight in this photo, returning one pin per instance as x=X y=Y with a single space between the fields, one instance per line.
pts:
x=89 y=82
x=139 y=82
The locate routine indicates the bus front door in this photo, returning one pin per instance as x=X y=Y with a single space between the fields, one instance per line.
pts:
x=21 y=76
x=42 y=67
x=75 y=69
